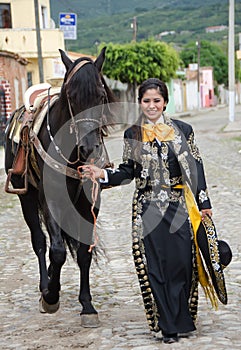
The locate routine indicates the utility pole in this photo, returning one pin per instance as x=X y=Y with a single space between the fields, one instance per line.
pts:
x=231 y=62
x=239 y=58
x=198 y=72
x=134 y=27
x=40 y=58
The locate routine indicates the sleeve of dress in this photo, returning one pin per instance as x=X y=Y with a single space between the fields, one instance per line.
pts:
x=201 y=195
x=124 y=174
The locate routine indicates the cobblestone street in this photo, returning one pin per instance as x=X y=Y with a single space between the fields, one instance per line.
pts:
x=114 y=283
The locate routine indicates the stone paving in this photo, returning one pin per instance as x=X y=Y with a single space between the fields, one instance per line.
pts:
x=114 y=284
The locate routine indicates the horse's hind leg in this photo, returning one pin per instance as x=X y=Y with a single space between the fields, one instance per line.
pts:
x=49 y=279
x=57 y=255
x=29 y=203
x=89 y=316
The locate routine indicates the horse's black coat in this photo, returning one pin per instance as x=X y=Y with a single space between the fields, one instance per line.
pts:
x=63 y=203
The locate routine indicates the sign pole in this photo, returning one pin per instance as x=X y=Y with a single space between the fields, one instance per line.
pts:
x=38 y=37
x=231 y=65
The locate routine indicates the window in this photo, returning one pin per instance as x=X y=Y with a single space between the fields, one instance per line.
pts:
x=30 y=78
x=5 y=16
x=44 y=17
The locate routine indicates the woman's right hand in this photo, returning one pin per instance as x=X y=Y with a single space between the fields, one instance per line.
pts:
x=91 y=171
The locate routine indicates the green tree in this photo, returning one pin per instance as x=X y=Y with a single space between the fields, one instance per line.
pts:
x=135 y=62
x=211 y=54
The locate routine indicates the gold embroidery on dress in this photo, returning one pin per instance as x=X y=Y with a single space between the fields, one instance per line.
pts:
x=127 y=152
x=182 y=158
x=165 y=164
x=175 y=196
x=194 y=148
x=176 y=145
x=176 y=180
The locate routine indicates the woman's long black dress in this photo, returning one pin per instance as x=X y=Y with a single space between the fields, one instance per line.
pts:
x=163 y=246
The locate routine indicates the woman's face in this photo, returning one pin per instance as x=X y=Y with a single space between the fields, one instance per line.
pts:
x=152 y=104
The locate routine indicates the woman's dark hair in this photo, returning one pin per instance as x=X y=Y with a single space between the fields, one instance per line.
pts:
x=154 y=83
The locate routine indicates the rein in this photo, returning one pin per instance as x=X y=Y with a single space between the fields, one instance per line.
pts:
x=94 y=195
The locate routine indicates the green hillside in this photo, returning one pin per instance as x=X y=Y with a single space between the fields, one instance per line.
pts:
x=178 y=21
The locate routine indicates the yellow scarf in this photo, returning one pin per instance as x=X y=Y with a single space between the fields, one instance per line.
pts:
x=195 y=218
x=159 y=131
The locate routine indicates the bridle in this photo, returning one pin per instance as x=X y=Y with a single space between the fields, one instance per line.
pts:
x=73 y=124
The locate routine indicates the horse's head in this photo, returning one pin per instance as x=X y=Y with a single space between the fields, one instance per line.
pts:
x=87 y=98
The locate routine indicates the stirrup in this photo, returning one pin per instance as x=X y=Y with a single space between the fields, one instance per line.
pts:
x=8 y=189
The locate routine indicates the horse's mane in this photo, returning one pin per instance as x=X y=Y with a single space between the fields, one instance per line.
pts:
x=110 y=95
x=91 y=81
x=113 y=105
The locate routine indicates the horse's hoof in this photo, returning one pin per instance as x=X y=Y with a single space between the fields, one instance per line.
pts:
x=41 y=309
x=90 y=320
x=47 y=308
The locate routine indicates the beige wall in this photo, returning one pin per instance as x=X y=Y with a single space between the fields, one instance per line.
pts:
x=48 y=69
x=24 y=42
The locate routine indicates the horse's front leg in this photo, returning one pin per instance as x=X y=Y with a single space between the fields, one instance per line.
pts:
x=57 y=257
x=89 y=316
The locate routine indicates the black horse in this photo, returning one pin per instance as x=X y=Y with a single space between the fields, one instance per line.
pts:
x=51 y=189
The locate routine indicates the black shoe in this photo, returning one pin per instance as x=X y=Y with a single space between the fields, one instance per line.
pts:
x=170 y=338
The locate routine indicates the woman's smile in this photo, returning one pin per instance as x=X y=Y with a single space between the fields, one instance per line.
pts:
x=152 y=104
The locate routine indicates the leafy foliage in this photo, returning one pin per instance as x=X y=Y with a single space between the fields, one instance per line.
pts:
x=211 y=54
x=134 y=62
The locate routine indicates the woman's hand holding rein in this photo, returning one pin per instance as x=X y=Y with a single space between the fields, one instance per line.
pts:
x=92 y=171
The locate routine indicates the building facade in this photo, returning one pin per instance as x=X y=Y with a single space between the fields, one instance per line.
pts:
x=18 y=34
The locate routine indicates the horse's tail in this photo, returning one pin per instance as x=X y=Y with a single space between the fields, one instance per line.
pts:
x=99 y=253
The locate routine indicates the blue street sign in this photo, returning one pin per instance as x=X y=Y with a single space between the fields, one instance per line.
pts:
x=68 y=24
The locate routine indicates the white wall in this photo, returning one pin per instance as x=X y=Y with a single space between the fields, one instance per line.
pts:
x=178 y=95
x=191 y=95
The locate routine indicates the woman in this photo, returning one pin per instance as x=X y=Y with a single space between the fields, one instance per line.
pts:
x=161 y=155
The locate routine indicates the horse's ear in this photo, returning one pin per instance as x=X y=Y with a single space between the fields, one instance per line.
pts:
x=65 y=59
x=100 y=59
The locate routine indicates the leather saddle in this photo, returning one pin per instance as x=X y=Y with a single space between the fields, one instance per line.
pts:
x=37 y=99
